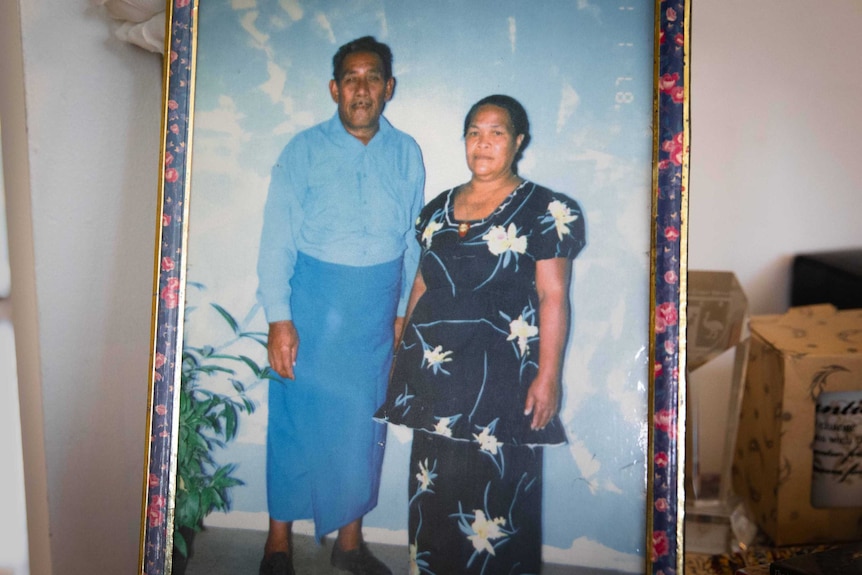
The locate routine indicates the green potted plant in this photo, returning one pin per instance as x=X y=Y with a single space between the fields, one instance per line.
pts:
x=208 y=420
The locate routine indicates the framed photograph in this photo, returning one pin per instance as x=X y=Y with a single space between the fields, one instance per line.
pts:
x=605 y=88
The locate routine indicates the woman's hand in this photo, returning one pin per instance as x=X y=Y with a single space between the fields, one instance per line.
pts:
x=281 y=347
x=416 y=292
x=543 y=398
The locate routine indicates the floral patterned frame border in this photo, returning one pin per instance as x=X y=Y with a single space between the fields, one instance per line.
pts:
x=665 y=501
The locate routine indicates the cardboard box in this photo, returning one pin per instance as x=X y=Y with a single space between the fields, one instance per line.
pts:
x=796 y=359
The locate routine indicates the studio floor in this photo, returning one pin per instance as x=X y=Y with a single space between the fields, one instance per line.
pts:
x=221 y=551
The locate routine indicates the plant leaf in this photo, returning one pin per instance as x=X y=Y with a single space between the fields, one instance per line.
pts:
x=230 y=417
x=258 y=336
x=227 y=317
x=252 y=365
x=180 y=542
x=268 y=373
x=210 y=369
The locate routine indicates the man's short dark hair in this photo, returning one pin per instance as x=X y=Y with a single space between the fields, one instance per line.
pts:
x=364 y=44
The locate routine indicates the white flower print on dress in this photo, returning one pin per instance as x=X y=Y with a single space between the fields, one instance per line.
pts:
x=498 y=240
x=429 y=232
x=435 y=357
x=426 y=476
x=487 y=441
x=522 y=331
x=506 y=244
x=425 y=479
x=484 y=530
x=418 y=564
x=414 y=567
x=563 y=216
x=501 y=240
x=442 y=427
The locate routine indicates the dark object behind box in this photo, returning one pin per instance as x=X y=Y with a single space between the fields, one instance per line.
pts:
x=846 y=560
x=827 y=277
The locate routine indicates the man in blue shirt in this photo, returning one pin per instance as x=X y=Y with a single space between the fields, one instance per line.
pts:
x=336 y=262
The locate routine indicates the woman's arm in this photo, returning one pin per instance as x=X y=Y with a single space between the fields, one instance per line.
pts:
x=552 y=283
x=415 y=293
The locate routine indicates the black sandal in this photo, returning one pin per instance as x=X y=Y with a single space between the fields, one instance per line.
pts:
x=277 y=564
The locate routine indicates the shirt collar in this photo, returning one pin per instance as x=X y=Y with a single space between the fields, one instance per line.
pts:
x=341 y=135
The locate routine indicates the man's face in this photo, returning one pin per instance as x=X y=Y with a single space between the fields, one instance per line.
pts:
x=361 y=92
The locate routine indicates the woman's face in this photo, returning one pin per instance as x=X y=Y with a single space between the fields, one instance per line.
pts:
x=490 y=143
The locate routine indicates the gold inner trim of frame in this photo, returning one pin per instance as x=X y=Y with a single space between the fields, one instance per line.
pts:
x=650 y=473
x=683 y=293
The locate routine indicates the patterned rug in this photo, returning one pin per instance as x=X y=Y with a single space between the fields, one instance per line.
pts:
x=728 y=563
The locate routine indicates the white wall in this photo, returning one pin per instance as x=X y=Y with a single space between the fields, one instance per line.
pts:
x=776 y=138
x=84 y=278
x=775 y=132
x=22 y=291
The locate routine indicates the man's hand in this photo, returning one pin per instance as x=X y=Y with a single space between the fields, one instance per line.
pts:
x=281 y=346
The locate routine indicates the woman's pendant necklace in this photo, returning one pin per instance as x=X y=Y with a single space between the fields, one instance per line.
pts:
x=464 y=227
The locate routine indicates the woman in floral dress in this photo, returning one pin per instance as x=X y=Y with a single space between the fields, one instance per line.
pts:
x=477 y=371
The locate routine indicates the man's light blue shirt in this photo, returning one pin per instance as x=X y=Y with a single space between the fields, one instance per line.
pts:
x=343 y=202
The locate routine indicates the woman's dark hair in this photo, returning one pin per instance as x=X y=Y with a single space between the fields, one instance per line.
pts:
x=364 y=44
x=517 y=115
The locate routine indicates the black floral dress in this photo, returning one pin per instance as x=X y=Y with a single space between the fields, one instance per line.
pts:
x=469 y=354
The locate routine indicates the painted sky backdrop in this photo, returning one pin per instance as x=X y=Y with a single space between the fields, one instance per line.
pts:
x=583 y=70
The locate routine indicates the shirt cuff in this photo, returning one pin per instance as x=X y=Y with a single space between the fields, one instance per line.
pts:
x=402 y=308
x=280 y=312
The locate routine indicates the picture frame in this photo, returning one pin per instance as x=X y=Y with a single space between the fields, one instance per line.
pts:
x=176 y=289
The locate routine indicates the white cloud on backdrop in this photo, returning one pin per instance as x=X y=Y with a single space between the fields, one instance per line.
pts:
x=569 y=101
x=325 y=27
x=274 y=86
x=293 y=8
x=249 y=24
x=218 y=151
x=592 y=554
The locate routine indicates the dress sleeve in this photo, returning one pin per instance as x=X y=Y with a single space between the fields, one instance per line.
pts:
x=434 y=211
x=422 y=223
x=418 y=228
x=560 y=230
